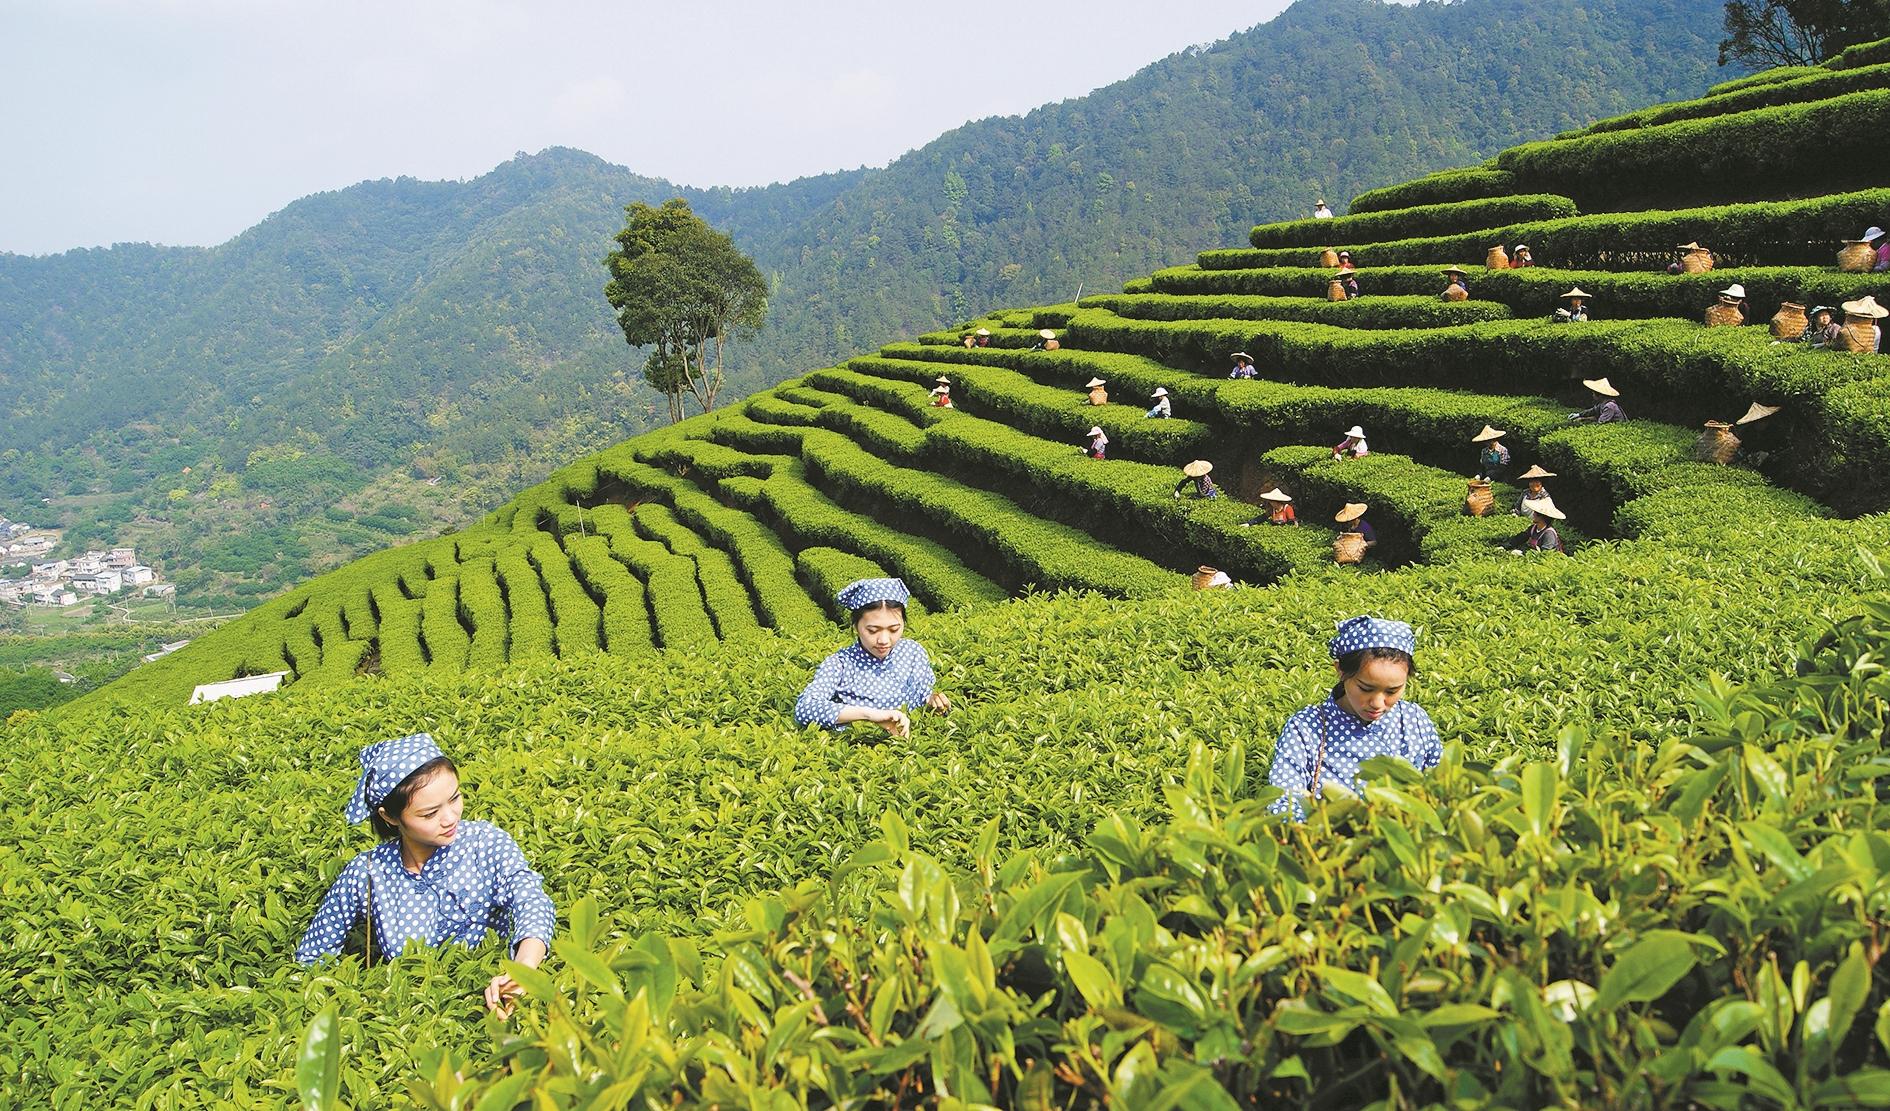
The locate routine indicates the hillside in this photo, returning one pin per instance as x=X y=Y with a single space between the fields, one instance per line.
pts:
x=361 y=342
x=1647 y=873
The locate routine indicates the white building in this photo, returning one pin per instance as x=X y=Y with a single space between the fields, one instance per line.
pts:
x=161 y=590
x=102 y=581
x=237 y=688
x=47 y=572
x=138 y=574
x=122 y=558
x=56 y=594
x=165 y=649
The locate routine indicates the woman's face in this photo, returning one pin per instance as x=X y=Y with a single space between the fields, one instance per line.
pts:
x=879 y=630
x=433 y=810
x=1377 y=687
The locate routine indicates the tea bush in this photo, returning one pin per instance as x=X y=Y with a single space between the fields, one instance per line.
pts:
x=1813 y=84
x=1418 y=220
x=1439 y=188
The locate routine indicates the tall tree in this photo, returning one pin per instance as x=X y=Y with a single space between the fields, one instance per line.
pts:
x=1766 y=33
x=684 y=290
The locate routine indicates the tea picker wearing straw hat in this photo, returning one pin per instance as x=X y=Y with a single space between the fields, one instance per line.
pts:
x=1197 y=473
x=1534 y=491
x=1098 y=442
x=941 y=397
x=1605 y=411
x=1243 y=366
x=433 y=878
x=1493 y=458
x=1855 y=314
x=1576 y=309
x=1097 y=395
x=880 y=675
x=1046 y=340
x=1540 y=536
x=1456 y=285
x=1279 y=510
x=1353 y=444
x=1161 y=410
x=1364 y=715
x=1320 y=211
x=1352 y=516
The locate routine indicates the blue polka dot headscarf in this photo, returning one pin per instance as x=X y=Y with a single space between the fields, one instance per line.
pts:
x=866 y=592
x=1372 y=632
x=383 y=765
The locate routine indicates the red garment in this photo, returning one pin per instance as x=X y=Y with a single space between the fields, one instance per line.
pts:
x=1283 y=514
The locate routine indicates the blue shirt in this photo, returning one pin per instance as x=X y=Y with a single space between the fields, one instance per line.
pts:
x=855 y=677
x=479 y=882
x=1405 y=731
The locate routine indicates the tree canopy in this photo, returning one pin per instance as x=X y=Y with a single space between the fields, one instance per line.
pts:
x=1765 y=33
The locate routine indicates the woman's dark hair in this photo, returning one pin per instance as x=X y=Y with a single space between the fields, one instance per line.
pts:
x=882 y=604
x=1351 y=662
x=397 y=799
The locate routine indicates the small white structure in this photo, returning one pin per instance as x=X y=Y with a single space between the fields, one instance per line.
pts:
x=165 y=649
x=54 y=595
x=137 y=574
x=161 y=590
x=237 y=688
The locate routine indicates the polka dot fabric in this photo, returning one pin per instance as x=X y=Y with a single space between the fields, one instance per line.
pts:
x=1372 y=632
x=855 y=677
x=1404 y=731
x=383 y=765
x=865 y=592
x=480 y=882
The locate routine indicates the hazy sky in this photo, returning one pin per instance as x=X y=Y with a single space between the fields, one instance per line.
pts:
x=186 y=121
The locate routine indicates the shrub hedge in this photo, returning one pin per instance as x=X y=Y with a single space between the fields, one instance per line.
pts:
x=482 y=609
x=1766 y=77
x=1416 y=510
x=527 y=606
x=722 y=588
x=576 y=619
x=827 y=571
x=1440 y=188
x=1419 y=220
x=627 y=607
x=1375 y=312
x=1815 y=84
x=448 y=643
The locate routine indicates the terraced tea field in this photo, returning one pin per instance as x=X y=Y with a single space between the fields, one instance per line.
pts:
x=1649 y=873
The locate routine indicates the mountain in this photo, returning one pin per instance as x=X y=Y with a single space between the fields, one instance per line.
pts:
x=425 y=347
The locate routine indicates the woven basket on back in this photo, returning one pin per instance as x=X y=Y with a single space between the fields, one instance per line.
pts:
x=1203 y=577
x=1697 y=261
x=1335 y=290
x=1480 y=501
x=1497 y=259
x=1721 y=315
x=1716 y=443
x=1348 y=547
x=1858 y=336
x=1856 y=258
x=1789 y=321
x=1328 y=258
x=1455 y=292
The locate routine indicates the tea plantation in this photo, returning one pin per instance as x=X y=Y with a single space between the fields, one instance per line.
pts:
x=1649 y=874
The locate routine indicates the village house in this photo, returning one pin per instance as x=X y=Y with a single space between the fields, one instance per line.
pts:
x=56 y=594
x=138 y=574
x=121 y=558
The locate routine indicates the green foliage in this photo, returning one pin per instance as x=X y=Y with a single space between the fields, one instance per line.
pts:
x=1415 y=311
x=1410 y=223
x=1813 y=84
x=1443 y=187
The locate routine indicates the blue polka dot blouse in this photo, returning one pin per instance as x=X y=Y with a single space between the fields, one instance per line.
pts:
x=480 y=882
x=855 y=677
x=1405 y=731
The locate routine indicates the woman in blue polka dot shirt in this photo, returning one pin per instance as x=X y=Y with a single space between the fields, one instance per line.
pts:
x=877 y=677
x=433 y=878
x=1365 y=716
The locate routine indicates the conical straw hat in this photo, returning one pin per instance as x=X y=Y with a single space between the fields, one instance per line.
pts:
x=1544 y=506
x=1276 y=494
x=1094 y=430
x=1601 y=386
x=1577 y=291
x=982 y=332
x=1160 y=391
x=1093 y=383
x=1197 y=468
x=1488 y=433
x=942 y=380
x=1353 y=511
x=1536 y=472
x=1866 y=306
x=1758 y=412
x=1047 y=333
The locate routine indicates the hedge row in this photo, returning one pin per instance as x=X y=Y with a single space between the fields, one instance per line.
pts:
x=1863 y=54
x=1416 y=511
x=1814 y=85
x=398 y=637
x=1470 y=184
x=529 y=624
x=670 y=585
x=576 y=619
x=1408 y=223
x=1531 y=292
x=763 y=562
x=798 y=392
x=827 y=571
x=627 y=603
x=1132 y=505
x=482 y=607
x=1807 y=232
x=1794 y=148
x=1062 y=413
x=448 y=643
x=1767 y=77
x=1414 y=310
x=357 y=605
x=1034 y=552
x=1682 y=373
x=722 y=588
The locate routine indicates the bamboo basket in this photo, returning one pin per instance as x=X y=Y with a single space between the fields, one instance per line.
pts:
x=1497 y=259
x=1858 y=335
x=1348 y=547
x=1856 y=258
x=1329 y=258
x=1456 y=292
x=1480 y=500
x=1716 y=444
x=1051 y=345
x=1697 y=261
x=1335 y=290
x=1203 y=577
x=1789 y=321
x=1721 y=315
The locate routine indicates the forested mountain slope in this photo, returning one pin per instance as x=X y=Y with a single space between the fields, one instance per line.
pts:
x=362 y=340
